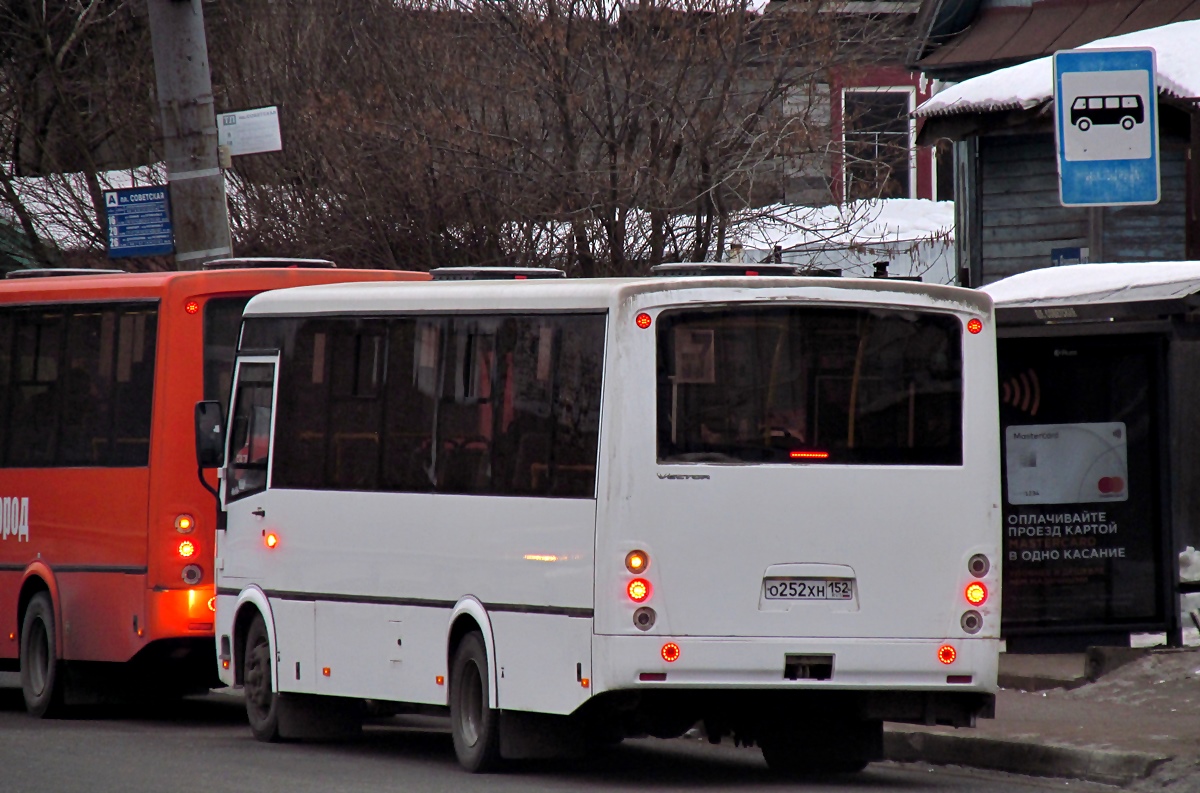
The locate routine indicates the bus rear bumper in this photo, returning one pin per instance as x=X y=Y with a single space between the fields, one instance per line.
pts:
x=632 y=662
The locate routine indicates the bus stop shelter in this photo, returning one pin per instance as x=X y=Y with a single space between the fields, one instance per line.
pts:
x=1099 y=367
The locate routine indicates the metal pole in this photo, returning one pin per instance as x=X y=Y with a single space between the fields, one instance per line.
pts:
x=189 y=125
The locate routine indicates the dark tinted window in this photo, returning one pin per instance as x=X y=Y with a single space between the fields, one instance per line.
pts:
x=222 y=319
x=78 y=384
x=495 y=405
x=765 y=385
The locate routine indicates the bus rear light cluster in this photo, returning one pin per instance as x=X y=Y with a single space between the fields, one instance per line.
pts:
x=192 y=574
x=972 y=622
x=976 y=593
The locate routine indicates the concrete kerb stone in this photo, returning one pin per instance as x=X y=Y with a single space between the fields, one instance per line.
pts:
x=1018 y=757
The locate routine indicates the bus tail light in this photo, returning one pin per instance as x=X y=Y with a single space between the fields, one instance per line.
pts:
x=636 y=561
x=638 y=590
x=976 y=593
x=192 y=574
x=974 y=325
x=192 y=307
x=187 y=549
x=946 y=654
x=184 y=523
x=670 y=652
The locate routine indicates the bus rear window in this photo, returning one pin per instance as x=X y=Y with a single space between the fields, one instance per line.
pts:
x=804 y=384
x=222 y=320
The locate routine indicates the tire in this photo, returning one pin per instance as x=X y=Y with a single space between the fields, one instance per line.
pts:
x=1127 y=122
x=262 y=702
x=1084 y=125
x=41 y=671
x=475 y=726
x=847 y=749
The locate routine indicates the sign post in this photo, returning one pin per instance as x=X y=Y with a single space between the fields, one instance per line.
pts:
x=1106 y=127
x=139 y=222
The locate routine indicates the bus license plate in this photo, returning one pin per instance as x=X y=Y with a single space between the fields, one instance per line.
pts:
x=808 y=589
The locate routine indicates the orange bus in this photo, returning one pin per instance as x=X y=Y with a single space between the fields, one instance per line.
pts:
x=106 y=525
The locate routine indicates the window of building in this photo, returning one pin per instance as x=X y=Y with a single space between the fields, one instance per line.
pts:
x=878 y=143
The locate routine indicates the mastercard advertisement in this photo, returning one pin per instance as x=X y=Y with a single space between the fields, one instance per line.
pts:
x=1067 y=463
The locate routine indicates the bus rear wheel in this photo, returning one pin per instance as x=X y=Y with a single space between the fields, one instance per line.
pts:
x=474 y=725
x=262 y=703
x=41 y=681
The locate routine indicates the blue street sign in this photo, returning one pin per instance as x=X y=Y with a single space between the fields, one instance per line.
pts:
x=139 y=222
x=1106 y=127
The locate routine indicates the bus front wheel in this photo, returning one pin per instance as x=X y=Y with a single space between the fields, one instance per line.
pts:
x=40 y=679
x=262 y=703
x=1084 y=125
x=474 y=724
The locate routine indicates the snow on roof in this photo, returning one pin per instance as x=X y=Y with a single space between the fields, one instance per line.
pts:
x=1097 y=283
x=1027 y=85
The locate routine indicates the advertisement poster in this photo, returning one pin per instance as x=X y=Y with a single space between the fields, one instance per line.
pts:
x=1082 y=510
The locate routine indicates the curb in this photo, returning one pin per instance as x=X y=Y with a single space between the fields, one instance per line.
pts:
x=1107 y=766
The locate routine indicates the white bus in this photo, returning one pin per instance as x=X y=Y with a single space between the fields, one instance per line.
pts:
x=578 y=510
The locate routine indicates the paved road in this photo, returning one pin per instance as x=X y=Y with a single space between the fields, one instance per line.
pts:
x=205 y=745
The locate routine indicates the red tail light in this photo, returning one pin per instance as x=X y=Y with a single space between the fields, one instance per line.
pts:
x=187 y=549
x=803 y=455
x=947 y=654
x=670 y=652
x=976 y=593
x=638 y=590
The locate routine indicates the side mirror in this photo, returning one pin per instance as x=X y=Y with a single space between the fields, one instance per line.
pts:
x=210 y=434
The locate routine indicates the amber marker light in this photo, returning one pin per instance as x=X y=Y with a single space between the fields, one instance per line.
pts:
x=976 y=593
x=212 y=603
x=636 y=561
x=947 y=654
x=187 y=549
x=638 y=590
x=670 y=652
x=184 y=523
x=272 y=539
x=974 y=326
x=192 y=307
x=441 y=681
x=643 y=320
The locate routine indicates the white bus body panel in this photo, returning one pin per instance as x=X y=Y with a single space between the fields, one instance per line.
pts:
x=386 y=570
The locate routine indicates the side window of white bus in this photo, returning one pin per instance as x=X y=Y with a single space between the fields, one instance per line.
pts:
x=250 y=433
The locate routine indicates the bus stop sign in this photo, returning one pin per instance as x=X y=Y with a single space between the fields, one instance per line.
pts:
x=139 y=222
x=1106 y=127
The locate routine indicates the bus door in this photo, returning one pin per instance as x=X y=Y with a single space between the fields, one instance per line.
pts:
x=248 y=533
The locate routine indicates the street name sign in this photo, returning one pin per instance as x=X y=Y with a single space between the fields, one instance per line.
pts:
x=250 y=131
x=1106 y=127
x=139 y=222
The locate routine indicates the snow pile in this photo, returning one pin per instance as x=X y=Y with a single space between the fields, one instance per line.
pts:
x=1098 y=283
x=915 y=235
x=1030 y=84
